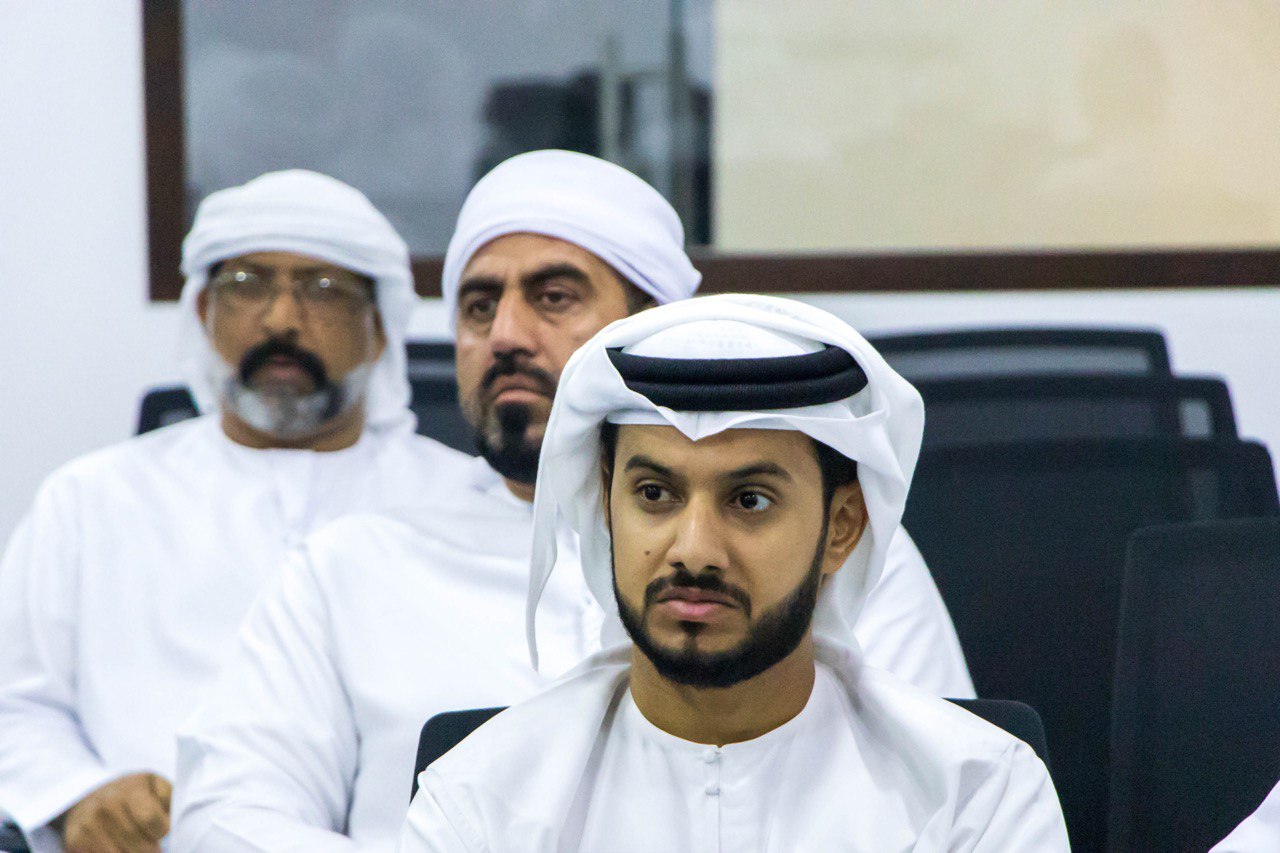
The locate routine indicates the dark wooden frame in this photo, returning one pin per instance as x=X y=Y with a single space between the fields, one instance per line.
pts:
x=878 y=272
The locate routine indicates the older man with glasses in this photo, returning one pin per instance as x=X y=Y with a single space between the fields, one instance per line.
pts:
x=121 y=591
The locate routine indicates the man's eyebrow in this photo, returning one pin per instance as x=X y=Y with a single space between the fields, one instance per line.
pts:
x=758 y=469
x=552 y=271
x=479 y=282
x=641 y=461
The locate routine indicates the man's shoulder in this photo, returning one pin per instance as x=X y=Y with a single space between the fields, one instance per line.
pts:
x=937 y=725
x=429 y=449
x=509 y=753
x=167 y=447
x=471 y=530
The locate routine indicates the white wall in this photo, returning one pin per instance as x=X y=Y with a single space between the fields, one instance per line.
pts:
x=79 y=341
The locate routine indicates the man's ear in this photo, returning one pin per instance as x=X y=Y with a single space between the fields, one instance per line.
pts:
x=202 y=306
x=379 y=336
x=846 y=522
x=606 y=489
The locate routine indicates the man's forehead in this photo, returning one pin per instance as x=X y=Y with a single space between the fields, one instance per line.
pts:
x=284 y=261
x=725 y=451
x=523 y=252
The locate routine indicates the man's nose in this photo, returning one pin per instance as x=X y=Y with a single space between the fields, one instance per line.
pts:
x=699 y=543
x=514 y=328
x=284 y=312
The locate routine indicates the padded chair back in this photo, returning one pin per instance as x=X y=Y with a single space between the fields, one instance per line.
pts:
x=163 y=406
x=1027 y=543
x=12 y=840
x=1196 y=720
x=1017 y=352
x=445 y=731
x=434 y=382
x=1017 y=718
x=1052 y=408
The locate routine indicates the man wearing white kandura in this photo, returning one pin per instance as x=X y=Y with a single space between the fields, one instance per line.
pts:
x=121 y=591
x=308 y=740
x=735 y=468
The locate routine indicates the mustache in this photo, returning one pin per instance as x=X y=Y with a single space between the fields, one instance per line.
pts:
x=514 y=365
x=259 y=355
x=707 y=581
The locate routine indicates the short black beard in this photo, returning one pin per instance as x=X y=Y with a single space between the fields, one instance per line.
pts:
x=774 y=636
x=513 y=456
x=510 y=452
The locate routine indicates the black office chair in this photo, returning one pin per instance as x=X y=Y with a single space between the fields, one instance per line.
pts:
x=11 y=839
x=163 y=406
x=1016 y=352
x=1196 y=717
x=435 y=395
x=445 y=731
x=1051 y=408
x=1027 y=542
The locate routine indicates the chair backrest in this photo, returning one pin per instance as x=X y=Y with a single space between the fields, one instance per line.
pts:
x=1017 y=718
x=163 y=406
x=12 y=839
x=445 y=731
x=1051 y=408
x=1196 y=718
x=1026 y=543
x=433 y=378
x=1015 y=352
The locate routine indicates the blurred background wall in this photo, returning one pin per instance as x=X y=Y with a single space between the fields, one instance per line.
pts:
x=79 y=340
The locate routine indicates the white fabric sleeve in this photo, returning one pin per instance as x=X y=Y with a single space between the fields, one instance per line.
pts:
x=267 y=761
x=1013 y=808
x=435 y=823
x=905 y=628
x=46 y=762
x=1260 y=831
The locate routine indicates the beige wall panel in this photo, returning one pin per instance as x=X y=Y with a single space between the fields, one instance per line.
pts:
x=887 y=124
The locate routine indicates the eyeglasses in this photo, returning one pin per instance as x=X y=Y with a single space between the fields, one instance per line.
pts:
x=328 y=297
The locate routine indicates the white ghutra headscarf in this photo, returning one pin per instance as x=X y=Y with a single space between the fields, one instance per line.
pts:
x=582 y=200
x=314 y=215
x=879 y=427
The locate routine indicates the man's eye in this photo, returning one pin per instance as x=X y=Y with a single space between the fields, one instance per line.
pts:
x=752 y=501
x=480 y=308
x=325 y=289
x=555 y=298
x=243 y=283
x=652 y=493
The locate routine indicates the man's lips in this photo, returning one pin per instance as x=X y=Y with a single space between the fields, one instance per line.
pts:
x=515 y=386
x=691 y=604
x=282 y=367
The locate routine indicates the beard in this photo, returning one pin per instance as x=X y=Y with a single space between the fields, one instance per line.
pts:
x=282 y=409
x=502 y=430
x=770 y=638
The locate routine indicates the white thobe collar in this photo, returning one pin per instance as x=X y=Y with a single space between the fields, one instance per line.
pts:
x=746 y=752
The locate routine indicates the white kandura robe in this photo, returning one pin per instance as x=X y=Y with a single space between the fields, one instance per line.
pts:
x=307 y=741
x=122 y=590
x=580 y=768
x=1259 y=832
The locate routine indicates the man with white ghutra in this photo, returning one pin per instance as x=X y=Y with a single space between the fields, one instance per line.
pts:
x=734 y=469
x=122 y=589
x=378 y=623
